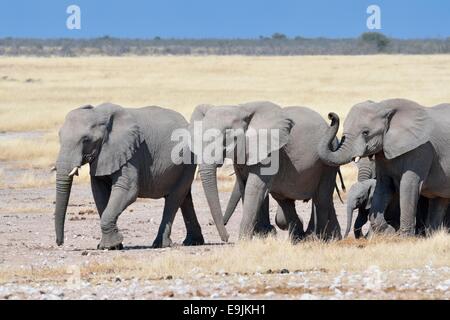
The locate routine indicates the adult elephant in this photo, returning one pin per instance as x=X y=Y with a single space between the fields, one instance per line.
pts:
x=412 y=153
x=300 y=174
x=129 y=153
x=360 y=197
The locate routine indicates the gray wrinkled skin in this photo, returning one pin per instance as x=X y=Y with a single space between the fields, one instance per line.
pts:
x=129 y=153
x=301 y=175
x=412 y=152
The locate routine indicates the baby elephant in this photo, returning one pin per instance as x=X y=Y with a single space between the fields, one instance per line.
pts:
x=359 y=197
x=129 y=154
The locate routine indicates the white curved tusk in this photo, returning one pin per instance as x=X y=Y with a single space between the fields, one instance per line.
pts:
x=196 y=173
x=74 y=172
x=52 y=169
x=357 y=159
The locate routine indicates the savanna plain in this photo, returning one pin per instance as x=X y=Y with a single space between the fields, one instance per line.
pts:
x=36 y=94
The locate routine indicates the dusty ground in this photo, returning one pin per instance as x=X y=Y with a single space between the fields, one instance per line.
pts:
x=32 y=266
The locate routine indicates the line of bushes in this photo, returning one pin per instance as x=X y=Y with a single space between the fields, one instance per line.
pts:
x=277 y=44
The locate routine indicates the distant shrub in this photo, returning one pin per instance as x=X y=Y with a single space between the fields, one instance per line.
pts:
x=377 y=38
x=279 y=36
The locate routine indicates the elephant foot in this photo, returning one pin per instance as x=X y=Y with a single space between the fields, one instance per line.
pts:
x=264 y=230
x=297 y=236
x=334 y=235
x=407 y=233
x=194 y=240
x=162 y=243
x=382 y=230
x=388 y=230
x=111 y=241
x=358 y=233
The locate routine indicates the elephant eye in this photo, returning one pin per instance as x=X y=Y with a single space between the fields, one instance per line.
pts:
x=365 y=133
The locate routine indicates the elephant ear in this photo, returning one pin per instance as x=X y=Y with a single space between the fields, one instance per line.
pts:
x=121 y=141
x=199 y=112
x=408 y=127
x=197 y=115
x=270 y=129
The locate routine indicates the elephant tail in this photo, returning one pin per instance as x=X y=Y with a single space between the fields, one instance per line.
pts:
x=342 y=180
x=338 y=193
x=342 y=186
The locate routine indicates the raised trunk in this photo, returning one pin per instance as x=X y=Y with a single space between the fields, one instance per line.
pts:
x=208 y=176
x=366 y=169
x=232 y=203
x=63 y=187
x=343 y=154
x=364 y=173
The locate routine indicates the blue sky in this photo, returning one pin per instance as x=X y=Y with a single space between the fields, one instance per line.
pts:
x=223 y=18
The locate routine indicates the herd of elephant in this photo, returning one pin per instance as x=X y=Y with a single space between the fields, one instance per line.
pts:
x=402 y=150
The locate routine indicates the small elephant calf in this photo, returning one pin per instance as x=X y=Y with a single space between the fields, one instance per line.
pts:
x=359 y=197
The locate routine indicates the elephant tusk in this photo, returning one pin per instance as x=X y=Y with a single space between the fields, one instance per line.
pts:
x=52 y=169
x=74 y=172
x=196 y=173
x=357 y=159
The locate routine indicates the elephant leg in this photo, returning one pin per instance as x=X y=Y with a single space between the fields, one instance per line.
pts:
x=369 y=233
x=194 y=235
x=382 y=196
x=172 y=203
x=333 y=227
x=280 y=219
x=263 y=226
x=121 y=197
x=361 y=220
x=312 y=220
x=392 y=213
x=327 y=226
x=410 y=185
x=101 y=190
x=256 y=190
x=294 y=222
x=421 y=216
x=436 y=213
x=447 y=220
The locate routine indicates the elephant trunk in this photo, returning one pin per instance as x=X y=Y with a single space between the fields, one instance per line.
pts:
x=342 y=155
x=63 y=187
x=364 y=173
x=349 y=218
x=232 y=203
x=208 y=175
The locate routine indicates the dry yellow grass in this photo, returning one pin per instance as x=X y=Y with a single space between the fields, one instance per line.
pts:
x=36 y=153
x=261 y=255
x=324 y=83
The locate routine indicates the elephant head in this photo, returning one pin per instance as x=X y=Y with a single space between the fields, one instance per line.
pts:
x=394 y=127
x=235 y=128
x=106 y=137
